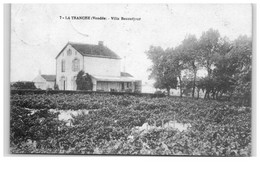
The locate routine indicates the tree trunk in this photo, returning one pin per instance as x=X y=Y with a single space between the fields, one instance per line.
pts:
x=180 y=86
x=168 y=91
x=217 y=95
x=213 y=94
x=198 y=93
x=208 y=68
x=194 y=81
x=205 y=94
x=221 y=94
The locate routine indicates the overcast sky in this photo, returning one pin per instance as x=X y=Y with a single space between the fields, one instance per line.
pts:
x=38 y=34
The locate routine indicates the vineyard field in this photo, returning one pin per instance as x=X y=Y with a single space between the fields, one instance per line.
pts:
x=127 y=125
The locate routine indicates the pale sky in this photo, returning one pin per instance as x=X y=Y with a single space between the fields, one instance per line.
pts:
x=38 y=34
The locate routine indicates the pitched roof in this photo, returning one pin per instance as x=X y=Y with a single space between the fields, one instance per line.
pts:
x=124 y=74
x=92 y=50
x=49 y=77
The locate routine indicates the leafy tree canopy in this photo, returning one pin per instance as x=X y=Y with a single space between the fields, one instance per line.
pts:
x=84 y=81
x=162 y=71
x=228 y=65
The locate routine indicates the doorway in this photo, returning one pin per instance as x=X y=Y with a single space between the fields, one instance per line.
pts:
x=122 y=86
x=63 y=83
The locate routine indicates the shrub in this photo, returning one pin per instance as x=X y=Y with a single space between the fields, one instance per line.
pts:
x=23 y=85
x=84 y=81
x=56 y=87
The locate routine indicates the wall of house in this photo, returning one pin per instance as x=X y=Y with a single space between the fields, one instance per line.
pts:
x=40 y=82
x=102 y=66
x=40 y=85
x=44 y=85
x=69 y=76
x=118 y=86
x=50 y=84
x=92 y=65
x=107 y=86
x=94 y=82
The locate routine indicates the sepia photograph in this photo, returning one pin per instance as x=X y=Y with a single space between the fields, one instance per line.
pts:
x=131 y=79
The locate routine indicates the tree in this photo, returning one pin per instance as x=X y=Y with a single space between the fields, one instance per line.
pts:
x=189 y=54
x=228 y=65
x=84 y=81
x=187 y=83
x=208 y=47
x=162 y=70
x=231 y=74
x=241 y=56
x=224 y=69
x=178 y=64
x=56 y=87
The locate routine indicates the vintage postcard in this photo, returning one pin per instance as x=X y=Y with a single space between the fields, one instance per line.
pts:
x=131 y=79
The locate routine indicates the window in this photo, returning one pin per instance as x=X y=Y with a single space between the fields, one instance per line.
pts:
x=69 y=52
x=122 y=86
x=63 y=66
x=75 y=65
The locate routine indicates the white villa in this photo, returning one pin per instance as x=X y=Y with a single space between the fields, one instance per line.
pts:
x=97 y=60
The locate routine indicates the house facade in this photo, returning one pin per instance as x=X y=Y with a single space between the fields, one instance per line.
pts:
x=44 y=81
x=97 y=60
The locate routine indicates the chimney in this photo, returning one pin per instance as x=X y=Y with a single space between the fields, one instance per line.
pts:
x=100 y=43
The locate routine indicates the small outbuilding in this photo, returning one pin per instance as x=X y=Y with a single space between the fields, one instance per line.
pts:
x=44 y=81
